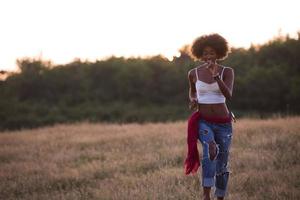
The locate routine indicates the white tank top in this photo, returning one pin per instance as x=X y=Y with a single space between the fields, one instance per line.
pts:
x=209 y=93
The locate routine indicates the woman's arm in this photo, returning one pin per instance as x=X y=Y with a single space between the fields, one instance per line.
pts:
x=226 y=85
x=192 y=87
x=192 y=90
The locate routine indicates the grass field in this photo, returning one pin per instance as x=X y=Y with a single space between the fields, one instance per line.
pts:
x=134 y=161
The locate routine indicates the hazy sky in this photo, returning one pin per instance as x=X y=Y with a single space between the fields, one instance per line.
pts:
x=61 y=30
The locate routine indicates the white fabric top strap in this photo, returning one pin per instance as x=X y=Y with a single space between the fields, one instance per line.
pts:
x=222 y=72
x=196 y=74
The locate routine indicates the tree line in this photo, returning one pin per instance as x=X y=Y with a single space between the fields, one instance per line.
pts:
x=267 y=80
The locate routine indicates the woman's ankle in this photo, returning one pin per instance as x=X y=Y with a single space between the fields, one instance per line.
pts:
x=206 y=193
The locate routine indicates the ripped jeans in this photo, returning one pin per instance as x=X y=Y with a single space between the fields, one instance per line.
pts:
x=215 y=137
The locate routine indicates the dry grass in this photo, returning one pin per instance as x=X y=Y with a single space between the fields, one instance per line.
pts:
x=131 y=161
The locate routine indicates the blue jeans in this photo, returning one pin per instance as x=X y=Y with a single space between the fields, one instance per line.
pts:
x=215 y=136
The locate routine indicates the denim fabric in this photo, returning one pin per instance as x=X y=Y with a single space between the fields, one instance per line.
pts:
x=215 y=171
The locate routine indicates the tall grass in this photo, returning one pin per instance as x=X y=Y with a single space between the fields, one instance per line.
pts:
x=144 y=161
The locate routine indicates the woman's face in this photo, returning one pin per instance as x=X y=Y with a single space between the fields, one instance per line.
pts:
x=209 y=54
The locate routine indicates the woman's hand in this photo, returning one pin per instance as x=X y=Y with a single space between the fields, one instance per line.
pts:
x=212 y=67
x=193 y=104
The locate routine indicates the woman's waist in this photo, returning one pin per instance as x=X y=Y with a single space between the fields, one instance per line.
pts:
x=217 y=119
x=217 y=113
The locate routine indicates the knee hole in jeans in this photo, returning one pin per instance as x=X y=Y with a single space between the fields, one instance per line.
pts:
x=213 y=150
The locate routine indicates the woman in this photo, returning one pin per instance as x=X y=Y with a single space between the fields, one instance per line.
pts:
x=210 y=84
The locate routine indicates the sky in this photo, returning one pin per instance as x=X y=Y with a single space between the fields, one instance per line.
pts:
x=64 y=30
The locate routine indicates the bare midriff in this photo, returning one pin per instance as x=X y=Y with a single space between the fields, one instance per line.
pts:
x=213 y=110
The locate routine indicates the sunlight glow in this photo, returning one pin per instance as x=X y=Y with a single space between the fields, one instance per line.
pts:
x=62 y=30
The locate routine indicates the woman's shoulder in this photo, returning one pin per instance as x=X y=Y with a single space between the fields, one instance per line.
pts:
x=192 y=73
x=198 y=67
x=227 y=71
x=226 y=68
x=193 y=70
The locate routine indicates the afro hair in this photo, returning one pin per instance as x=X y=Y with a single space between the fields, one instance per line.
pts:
x=215 y=41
